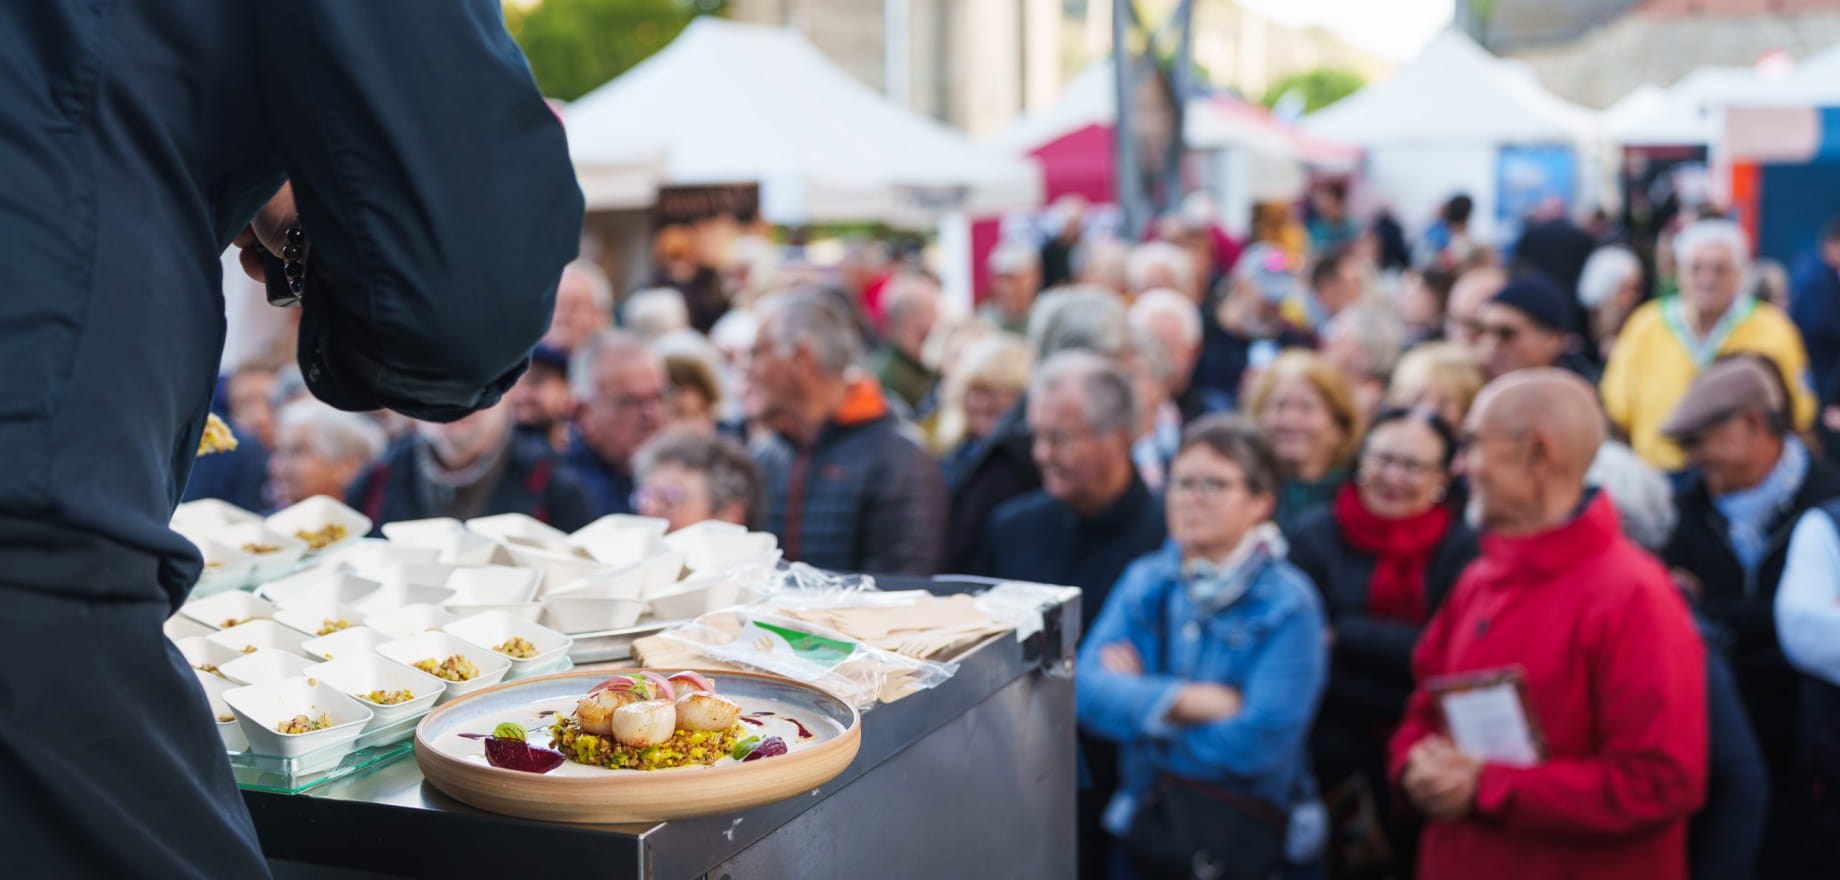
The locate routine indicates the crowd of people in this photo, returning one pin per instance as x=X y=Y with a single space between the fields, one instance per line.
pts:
x=1299 y=479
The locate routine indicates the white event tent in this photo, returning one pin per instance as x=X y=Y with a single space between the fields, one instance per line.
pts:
x=730 y=103
x=1438 y=127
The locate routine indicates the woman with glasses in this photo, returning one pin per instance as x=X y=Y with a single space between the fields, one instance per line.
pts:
x=687 y=476
x=1205 y=666
x=1383 y=555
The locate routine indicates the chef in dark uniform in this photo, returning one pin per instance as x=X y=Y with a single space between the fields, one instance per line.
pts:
x=430 y=209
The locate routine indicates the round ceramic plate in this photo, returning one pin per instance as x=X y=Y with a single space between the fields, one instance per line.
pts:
x=455 y=764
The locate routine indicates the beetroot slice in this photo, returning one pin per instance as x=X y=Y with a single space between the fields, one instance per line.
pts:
x=511 y=754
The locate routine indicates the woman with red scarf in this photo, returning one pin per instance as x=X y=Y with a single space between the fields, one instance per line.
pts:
x=1383 y=554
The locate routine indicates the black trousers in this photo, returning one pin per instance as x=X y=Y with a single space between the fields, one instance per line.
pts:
x=109 y=762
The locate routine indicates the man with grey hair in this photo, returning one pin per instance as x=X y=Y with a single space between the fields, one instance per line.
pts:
x=1092 y=514
x=846 y=489
x=1080 y=317
x=584 y=305
x=620 y=386
x=1015 y=278
x=1159 y=265
x=1001 y=467
x=1364 y=344
x=910 y=309
x=1667 y=342
x=656 y=311
x=1174 y=322
x=1089 y=520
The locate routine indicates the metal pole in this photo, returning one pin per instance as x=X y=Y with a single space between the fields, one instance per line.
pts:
x=1179 y=88
x=1126 y=170
x=895 y=73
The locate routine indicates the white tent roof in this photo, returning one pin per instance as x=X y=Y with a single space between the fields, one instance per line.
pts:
x=736 y=103
x=1454 y=93
x=1691 y=111
x=1814 y=82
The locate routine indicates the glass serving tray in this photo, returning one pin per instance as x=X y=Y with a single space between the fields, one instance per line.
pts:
x=375 y=749
x=283 y=776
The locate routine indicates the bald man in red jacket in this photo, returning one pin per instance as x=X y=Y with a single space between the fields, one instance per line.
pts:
x=1612 y=666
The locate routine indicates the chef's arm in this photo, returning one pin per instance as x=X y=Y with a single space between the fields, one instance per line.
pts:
x=435 y=190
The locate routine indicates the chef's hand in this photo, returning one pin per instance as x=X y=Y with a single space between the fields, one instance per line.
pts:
x=1440 y=780
x=1121 y=658
x=1204 y=702
x=268 y=228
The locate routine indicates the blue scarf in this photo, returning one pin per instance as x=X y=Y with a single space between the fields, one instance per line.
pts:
x=1216 y=584
x=1748 y=512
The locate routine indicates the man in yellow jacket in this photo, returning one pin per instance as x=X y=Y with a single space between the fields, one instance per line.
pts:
x=1668 y=341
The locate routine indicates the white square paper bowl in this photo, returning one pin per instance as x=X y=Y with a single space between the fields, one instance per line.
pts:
x=697 y=597
x=225 y=567
x=210 y=512
x=359 y=641
x=400 y=594
x=265 y=566
x=200 y=652
x=404 y=622
x=506 y=526
x=661 y=573
x=492 y=585
x=557 y=567
x=430 y=533
x=226 y=610
x=377 y=560
x=179 y=627
x=316 y=513
x=723 y=552
x=582 y=615
x=266 y=665
x=311 y=618
x=439 y=646
x=531 y=611
x=607 y=583
x=327 y=585
x=261 y=708
x=259 y=634
x=215 y=686
x=492 y=628
x=620 y=539
x=362 y=674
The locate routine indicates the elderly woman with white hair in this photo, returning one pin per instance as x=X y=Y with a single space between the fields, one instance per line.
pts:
x=1609 y=289
x=319 y=451
x=1667 y=342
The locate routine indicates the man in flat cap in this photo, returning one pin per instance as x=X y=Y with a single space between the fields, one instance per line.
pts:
x=1751 y=479
x=1527 y=324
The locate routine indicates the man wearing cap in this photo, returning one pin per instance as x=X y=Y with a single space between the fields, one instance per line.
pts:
x=1751 y=480
x=1525 y=325
x=541 y=401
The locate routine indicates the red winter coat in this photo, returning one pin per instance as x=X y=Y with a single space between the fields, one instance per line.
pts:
x=1616 y=680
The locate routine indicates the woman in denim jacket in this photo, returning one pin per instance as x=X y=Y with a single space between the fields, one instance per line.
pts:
x=1209 y=657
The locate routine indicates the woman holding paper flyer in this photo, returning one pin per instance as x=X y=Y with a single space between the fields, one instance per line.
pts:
x=1205 y=666
x=1559 y=725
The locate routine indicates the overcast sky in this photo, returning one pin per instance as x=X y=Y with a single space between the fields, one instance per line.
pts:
x=1394 y=28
